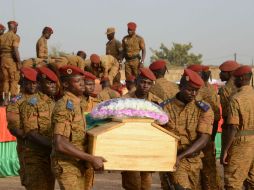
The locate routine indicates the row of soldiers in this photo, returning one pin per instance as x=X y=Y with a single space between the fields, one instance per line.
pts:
x=48 y=122
x=107 y=65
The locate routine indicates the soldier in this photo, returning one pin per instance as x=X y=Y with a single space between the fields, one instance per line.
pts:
x=238 y=152
x=135 y=180
x=10 y=60
x=192 y=121
x=107 y=93
x=41 y=45
x=29 y=88
x=131 y=83
x=81 y=54
x=2 y=29
x=132 y=45
x=68 y=155
x=74 y=60
x=227 y=69
x=103 y=66
x=210 y=180
x=162 y=88
x=34 y=62
x=113 y=46
x=36 y=122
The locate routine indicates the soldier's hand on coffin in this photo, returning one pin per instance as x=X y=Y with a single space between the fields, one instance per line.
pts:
x=97 y=163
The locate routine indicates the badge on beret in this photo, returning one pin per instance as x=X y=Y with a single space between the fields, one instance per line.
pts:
x=44 y=76
x=69 y=71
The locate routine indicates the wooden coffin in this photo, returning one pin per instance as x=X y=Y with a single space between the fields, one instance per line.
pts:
x=134 y=144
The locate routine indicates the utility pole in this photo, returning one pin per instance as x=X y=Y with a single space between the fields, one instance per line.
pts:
x=235 y=56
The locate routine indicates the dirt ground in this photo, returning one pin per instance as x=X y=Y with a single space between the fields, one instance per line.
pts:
x=105 y=181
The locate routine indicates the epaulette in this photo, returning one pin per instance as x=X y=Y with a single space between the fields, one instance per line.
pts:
x=203 y=106
x=16 y=98
x=33 y=101
x=69 y=105
x=164 y=103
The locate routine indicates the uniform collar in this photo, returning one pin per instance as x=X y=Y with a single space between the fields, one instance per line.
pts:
x=73 y=97
x=246 y=88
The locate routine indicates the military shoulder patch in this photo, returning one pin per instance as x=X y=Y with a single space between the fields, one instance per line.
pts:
x=69 y=105
x=16 y=98
x=33 y=101
x=203 y=106
x=164 y=103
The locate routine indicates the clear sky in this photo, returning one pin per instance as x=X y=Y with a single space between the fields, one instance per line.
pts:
x=216 y=28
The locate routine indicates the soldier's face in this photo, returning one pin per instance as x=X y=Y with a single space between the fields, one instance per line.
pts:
x=224 y=76
x=110 y=36
x=30 y=87
x=144 y=85
x=130 y=85
x=47 y=35
x=76 y=85
x=238 y=82
x=48 y=87
x=89 y=86
x=131 y=32
x=188 y=92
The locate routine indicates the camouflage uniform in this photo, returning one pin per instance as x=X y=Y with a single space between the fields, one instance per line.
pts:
x=68 y=121
x=131 y=48
x=69 y=60
x=8 y=41
x=108 y=67
x=114 y=48
x=107 y=94
x=35 y=116
x=33 y=62
x=187 y=121
x=210 y=179
x=240 y=168
x=164 y=89
x=13 y=118
x=1 y=74
x=135 y=180
x=42 y=48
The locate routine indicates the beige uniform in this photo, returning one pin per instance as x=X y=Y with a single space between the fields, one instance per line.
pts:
x=131 y=49
x=34 y=62
x=107 y=94
x=69 y=60
x=8 y=41
x=114 y=48
x=240 y=168
x=42 y=48
x=135 y=180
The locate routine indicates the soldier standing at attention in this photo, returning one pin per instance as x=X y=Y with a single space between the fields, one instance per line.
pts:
x=162 y=88
x=238 y=151
x=36 y=122
x=107 y=93
x=192 y=121
x=132 y=45
x=69 y=155
x=2 y=29
x=10 y=60
x=41 y=45
x=28 y=83
x=135 y=180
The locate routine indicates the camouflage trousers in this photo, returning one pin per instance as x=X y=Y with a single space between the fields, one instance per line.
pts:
x=210 y=179
x=240 y=168
x=186 y=176
x=136 y=180
x=89 y=176
x=131 y=68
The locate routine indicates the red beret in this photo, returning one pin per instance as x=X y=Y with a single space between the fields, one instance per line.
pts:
x=104 y=79
x=29 y=73
x=195 y=67
x=147 y=73
x=132 y=26
x=2 y=27
x=156 y=65
x=242 y=70
x=70 y=70
x=193 y=78
x=130 y=78
x=95 y=58
x=229 y=66
x=13 y=23
x=47 y=29
x=206 y=68
x=47 y=73
x=89 y=76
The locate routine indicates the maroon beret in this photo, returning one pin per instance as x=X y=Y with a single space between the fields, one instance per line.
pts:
x=2 y=27
x=47 y=73
x=193 y=78
x=156 y=65
x=195 y=67
x=242 y=70
x=147 y=73
x=132 y=26
x=47 y=29
x=29 y=73
x=229 y=66
x=13 y=23
x=70 y=70
x=130 y=78
x=95 y=58
x=89 y=76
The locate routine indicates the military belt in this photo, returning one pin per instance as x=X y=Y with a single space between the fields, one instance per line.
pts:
x=132 y=57
x=245 y=133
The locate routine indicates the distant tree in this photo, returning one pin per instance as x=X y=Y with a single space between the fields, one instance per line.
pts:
x=178 y=55
x=55 y=51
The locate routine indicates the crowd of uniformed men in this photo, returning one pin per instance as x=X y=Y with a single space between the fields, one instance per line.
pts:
x=47 y=115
